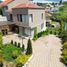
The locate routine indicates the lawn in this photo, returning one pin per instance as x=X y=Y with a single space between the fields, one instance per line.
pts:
x=7 y=51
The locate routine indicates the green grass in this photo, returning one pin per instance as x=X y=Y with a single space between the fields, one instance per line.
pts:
x=7 y=51
x=53 y=22
x=7 y=54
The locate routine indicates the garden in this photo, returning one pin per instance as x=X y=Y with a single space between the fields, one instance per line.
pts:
x=12 y=55
x=61 y=18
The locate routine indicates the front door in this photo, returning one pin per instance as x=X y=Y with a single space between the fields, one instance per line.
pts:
x=4 y=32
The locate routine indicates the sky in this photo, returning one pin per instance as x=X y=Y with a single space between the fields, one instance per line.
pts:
x=48 y=0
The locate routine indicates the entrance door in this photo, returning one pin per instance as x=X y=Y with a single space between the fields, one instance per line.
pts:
x=4 y=32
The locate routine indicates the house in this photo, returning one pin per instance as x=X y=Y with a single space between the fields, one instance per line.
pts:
x=24 y=18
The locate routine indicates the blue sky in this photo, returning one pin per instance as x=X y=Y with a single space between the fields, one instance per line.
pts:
x=48 y=0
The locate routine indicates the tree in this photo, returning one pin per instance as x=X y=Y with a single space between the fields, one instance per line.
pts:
x=0 y=40
x=29 y=47
x=60 y=2
x=35 y=33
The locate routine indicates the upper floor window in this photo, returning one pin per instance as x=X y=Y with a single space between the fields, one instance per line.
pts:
x=31 y=18
x=6 y=7
x=42 y=16
x=22 y=17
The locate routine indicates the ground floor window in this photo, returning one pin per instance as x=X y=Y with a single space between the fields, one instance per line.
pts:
x=42 y=25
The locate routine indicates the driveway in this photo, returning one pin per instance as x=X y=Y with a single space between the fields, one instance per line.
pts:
x=46 y=50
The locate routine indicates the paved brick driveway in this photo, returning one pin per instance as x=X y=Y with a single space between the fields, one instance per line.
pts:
x=46 y=52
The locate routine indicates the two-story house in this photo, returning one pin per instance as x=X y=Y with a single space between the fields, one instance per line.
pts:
x=27 y=16
x=24 y=18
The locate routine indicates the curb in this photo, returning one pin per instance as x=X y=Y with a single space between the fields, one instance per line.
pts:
x=29 y=60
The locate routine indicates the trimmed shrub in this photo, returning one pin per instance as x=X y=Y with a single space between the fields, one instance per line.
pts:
x=14 y=54
x=18 y=44
x=29 y=47
x=23 y=47
x=11 y=41
x=19 y=65
x=15 y=43
x=35 y=34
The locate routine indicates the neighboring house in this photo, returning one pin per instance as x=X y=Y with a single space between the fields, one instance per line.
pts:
x=24 y=18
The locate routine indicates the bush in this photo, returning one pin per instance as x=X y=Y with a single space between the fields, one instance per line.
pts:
x=35 y=34
x=11 y=41
x=23 y=47
x=19 y=65
x=15 y=43
x=1 y=64
x=14 y=54
x=29 y=47
x=18 y=44
x=0 y=40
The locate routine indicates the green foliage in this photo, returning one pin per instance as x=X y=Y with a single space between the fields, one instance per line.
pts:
x=14 y=54
x=19 y=65
x=0 y=40
x=60 y=2
x=1 y=8
x=62 y=26
x=1 y=56
x=8 y=50
x=64 y=3
x=35 y=34
x=62 y=14
x=22 y=59
x=29 y=47
x=64 y=53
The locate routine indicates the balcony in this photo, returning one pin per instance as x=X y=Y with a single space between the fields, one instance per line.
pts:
x=3 y=18
x=23 y=24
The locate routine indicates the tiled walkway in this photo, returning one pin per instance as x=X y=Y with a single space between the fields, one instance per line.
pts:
x=46 y=51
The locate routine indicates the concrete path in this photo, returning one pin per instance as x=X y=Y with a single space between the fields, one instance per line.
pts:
x=46 y=50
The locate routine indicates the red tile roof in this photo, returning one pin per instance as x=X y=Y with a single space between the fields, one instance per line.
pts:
x=5 y=2
x=27 y=5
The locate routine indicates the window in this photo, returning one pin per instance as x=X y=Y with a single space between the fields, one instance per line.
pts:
x=42 y=25
x=6 y=7
x=42 y=16
x=31 y=18
x=22 y=17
